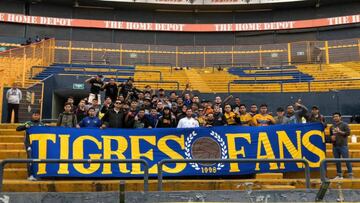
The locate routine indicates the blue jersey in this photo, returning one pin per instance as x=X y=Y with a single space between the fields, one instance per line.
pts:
x=90 y=122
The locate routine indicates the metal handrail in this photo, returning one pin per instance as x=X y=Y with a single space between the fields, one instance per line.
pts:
x=157 y=81
x=106 y=62
x=217 y=65
x=164 y=161
x=325 y=182
x=155 y=64
x=140 y=71
x=28 y=161
x=281 y=82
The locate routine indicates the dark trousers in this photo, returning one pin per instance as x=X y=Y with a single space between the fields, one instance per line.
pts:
x=28 y=152
x=12 y=107
x=341 y=152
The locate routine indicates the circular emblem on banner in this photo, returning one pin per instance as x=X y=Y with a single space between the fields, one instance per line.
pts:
x=209 y=147
x=205 y=148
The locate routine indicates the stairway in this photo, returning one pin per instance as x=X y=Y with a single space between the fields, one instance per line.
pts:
x=196 y=81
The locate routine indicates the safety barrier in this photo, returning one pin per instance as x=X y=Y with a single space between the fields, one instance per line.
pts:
x=31 y=161
x=325 y=182
x=162 y=162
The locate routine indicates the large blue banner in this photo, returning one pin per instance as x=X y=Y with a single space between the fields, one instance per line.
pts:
x=153 y=145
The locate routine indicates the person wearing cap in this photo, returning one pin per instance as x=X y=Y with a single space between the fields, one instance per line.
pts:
x=280 y=118
x=111 y=89
x=147 y=105
x=96 y=85
x=127 y=88
x=315 y=116
x=167 y=120
x=35 y=121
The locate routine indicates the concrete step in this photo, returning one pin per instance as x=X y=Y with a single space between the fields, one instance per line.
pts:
x=15 y=166
x=8 y=126
x=5 y=145
x=352 y=153
x=278 y=187
x=352 y=146
x=269 y=176
x=13 y=154
x=12 y=139
x=11 y=132
x=13 y=185
x=15 y=173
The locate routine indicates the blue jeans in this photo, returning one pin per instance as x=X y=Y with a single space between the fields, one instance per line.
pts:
x=342 y=152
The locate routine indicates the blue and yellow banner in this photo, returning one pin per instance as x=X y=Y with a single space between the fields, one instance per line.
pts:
x=153 y=145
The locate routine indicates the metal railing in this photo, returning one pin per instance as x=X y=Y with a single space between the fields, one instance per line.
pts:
x=164 y=161
x=325 y=182
x=226 y=65
x=155 y=64
x=140 y=71
x=159 y=82
x=281 y=83
x=100 y=62
x=31 y=161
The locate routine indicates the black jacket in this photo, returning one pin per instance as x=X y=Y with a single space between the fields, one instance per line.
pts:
x=113 y=120
x=167 y=121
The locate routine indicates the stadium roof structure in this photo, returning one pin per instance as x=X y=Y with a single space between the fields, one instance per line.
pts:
x=194 y=5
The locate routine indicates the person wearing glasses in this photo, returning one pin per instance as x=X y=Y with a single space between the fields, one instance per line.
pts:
x=114 y=118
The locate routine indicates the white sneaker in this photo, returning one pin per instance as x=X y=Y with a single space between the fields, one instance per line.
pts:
x=340 y=200
x=32 y=178
x=338 y=178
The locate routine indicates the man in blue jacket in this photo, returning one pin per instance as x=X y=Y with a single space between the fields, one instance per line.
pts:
x=91 y=121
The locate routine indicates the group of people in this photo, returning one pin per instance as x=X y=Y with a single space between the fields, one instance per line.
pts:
x=125 y=106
